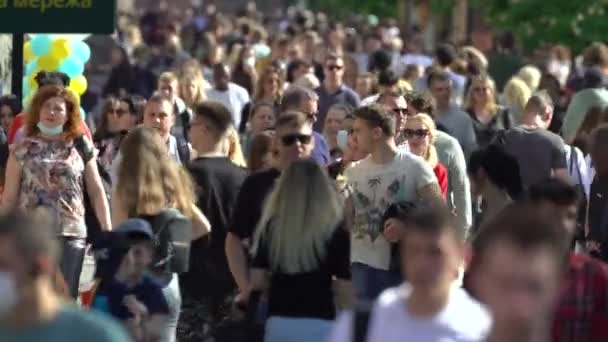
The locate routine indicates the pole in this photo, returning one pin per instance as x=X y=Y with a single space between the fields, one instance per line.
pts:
x=17 y=65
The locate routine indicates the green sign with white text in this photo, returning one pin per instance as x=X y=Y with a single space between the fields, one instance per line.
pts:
x=57 y=16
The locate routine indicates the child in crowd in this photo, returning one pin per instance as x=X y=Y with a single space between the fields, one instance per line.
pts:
x=125 y=291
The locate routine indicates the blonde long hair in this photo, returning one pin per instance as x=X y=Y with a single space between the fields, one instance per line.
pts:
x=199 y=95
x=298 y=218
x=234 y=151
x=431 y=153
x=148 y=179
x=491 y=106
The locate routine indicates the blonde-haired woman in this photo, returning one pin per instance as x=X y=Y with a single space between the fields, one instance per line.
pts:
x=233 y=148
x=488 y=117
x=300 y=245
x=149 y=181
x=515 y=96
x=192 y=88
x=420 y=132
x=531 y=75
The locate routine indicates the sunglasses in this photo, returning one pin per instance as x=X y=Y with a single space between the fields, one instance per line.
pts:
x=400 y=111
x=291 y=139
x=419 y=133
x=334 y=67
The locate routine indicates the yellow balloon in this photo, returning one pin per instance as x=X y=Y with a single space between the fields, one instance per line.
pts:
x=49 y=63
x=28 y=54
x=31 y=81
x=79 y=84
x=61 y=48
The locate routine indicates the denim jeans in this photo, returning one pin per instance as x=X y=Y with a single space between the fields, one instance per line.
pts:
x=286 y=329
x=369 y=282
x=174 y=300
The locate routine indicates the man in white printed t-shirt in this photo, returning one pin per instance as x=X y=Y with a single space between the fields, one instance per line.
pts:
x=385 y=177
x=429 y=307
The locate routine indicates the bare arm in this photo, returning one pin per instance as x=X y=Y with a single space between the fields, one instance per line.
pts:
x=237 y=261
x=12 y=184
x=345 y=293
x=200 y=223
x=97 y=194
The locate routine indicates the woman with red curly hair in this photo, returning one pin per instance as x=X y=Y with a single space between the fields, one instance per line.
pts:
x=49 y=169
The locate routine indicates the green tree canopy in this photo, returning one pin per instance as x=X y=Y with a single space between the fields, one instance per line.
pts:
x=574 y=23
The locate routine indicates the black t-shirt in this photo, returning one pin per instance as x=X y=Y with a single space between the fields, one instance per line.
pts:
x=250 y=202
x=307 y=294
x=598 y=206
x=219 y=181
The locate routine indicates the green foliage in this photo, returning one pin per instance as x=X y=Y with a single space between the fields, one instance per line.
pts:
x=575 y=23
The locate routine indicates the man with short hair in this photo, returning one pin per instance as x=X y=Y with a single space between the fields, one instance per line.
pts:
x=445 y=56
x=540 y=153
x=395 y=103
x=517 y=270
x=168 y=86
x=427 y=307
x=158 y=115
x=231 y=95
x=582 y=312
x=333 y=90
x=388 y=83
x=30 y=309
x=457 y=123
x=293 y=141
x=221 y=180
x=386 y=176
x=300 y=99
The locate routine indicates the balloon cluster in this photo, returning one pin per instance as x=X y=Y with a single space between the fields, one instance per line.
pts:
x=64 y=53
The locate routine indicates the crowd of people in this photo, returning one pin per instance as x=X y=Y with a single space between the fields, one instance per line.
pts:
x=249 y=178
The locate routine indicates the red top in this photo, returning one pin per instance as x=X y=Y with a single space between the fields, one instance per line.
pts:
x=442 y=178
x=19 y=120
x=582 y=313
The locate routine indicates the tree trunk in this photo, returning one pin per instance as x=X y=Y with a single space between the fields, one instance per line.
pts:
x=459 y=21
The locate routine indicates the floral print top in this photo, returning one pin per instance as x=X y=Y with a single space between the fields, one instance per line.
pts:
x=53 y=178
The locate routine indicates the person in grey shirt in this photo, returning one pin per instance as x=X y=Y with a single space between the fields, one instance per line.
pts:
x=539 y=152
x=457 y=122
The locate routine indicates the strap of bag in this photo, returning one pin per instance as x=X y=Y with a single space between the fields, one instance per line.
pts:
x=574 y=160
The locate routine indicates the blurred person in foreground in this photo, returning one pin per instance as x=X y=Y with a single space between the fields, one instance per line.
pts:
x=582 y=312
x=30 y=309
x=427 y=306
x=516 y=270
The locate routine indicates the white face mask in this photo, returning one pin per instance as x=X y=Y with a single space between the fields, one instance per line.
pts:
x=8 y=293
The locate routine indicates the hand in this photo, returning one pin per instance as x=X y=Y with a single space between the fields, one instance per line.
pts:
x=392 y=230
x=242 y=299
x=135 y=307
x=593 y=246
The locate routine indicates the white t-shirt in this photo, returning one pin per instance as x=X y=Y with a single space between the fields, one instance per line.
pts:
x=373 y=188
x=462 y=320
x=235 y=98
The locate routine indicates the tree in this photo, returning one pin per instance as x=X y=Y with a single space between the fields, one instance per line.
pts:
x=575 y=24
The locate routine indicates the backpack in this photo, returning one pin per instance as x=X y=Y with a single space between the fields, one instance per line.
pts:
x=87 y=152
x=172 y=236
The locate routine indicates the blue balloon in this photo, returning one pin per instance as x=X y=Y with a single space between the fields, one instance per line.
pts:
x=81 y=51
x=72 y=67
x=83 y=114
x=41 y=44
x=31 y=66
x=25 y=88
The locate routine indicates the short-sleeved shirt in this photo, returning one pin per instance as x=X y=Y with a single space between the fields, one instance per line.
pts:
x=250 y=202
x=70 y=324
x=307 y=294
x=374 y=187
x=53 y=177
x=537 y=151
x=110 y=296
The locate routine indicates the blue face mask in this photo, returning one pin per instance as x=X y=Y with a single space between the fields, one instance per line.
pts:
x=50 y=131
x=342 y=139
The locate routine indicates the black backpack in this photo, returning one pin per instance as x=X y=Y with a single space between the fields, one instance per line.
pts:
x=172 y=236
x=87 y=152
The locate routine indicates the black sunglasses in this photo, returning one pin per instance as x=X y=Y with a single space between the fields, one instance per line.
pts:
x=400 y=111
x=291 y=139
x=420 y=133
